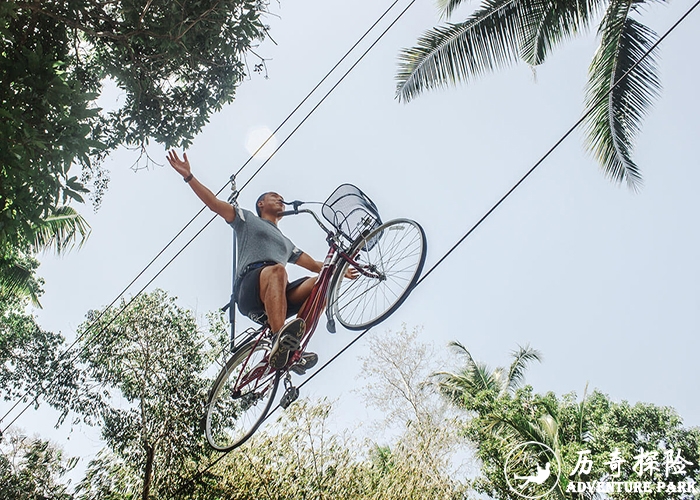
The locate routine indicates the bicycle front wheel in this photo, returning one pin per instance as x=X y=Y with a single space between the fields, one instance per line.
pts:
x=240 y=397
x=391 y=259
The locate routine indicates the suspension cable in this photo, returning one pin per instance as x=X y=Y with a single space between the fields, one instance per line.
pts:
x=478 y=223
x=39 y=385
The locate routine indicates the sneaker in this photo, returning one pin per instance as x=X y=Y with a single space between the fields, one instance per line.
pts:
x=308 y=360
x=286 y=343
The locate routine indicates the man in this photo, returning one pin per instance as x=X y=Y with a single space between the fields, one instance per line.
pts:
x=261 y=283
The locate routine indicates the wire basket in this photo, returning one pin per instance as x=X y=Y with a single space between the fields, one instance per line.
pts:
x=352 y=213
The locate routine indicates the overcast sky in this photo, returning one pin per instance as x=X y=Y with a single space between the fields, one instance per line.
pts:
x=606 y=283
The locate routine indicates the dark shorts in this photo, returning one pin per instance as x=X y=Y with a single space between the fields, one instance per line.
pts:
x=248 y=296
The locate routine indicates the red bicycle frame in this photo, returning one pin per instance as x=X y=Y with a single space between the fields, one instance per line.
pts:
x=316 y=303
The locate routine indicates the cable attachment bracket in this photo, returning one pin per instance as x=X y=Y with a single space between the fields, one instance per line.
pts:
x=233 y=197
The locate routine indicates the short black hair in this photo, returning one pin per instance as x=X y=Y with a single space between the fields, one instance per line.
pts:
x=260 y=198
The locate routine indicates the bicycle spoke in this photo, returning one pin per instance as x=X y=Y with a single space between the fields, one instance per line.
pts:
x=398 y=256
x=241 y=397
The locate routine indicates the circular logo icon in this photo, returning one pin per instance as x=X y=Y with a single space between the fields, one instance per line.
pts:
x=532 y=470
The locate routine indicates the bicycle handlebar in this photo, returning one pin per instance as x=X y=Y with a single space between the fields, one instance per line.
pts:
x=295 y=204
x=297 y=211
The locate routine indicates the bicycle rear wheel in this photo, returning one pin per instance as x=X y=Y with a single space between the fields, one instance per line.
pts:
x=240 y=397
x=393 y=256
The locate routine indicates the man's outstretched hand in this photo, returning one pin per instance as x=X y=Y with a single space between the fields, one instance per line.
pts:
x=181 y=166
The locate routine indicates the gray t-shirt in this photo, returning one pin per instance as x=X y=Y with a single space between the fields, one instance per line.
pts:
x=260 y=240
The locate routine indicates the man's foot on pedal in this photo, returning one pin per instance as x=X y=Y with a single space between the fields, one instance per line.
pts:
x=286 y=343
x=307 y=361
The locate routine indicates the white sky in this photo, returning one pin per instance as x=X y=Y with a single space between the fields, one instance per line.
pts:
x=603 y=281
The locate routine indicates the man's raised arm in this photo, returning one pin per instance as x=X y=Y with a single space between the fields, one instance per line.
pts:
x=182 y=167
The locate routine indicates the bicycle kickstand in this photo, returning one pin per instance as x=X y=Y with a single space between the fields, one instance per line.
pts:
x=291 y=393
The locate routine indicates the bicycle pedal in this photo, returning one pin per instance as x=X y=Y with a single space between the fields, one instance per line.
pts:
x=289 y=342
x=290 y=395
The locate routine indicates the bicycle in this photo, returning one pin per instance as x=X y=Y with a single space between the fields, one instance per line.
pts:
x=388 y=257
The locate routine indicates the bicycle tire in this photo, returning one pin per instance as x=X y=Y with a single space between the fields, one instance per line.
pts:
x=223 y=428
x=398 y=255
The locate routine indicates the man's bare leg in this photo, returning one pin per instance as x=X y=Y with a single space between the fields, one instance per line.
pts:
x=302 y=292
x=273 y=288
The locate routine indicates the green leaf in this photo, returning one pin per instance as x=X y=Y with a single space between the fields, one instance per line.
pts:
x=61 y=231
x=546 y=23
x=458 y=52
x=619 y=104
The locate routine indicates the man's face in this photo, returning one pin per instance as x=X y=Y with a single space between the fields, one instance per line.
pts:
x=272 y=203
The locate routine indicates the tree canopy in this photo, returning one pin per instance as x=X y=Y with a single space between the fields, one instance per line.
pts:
x=594 y=439
x=153 y=357
x=146 y=374
x=33 y=469
x=175 y=62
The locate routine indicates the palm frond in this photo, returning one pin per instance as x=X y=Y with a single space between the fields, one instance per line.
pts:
x=451 y=385
x=447 y=7
x=458 y=52
x=620 y=104
x=522 y=357
x=61 y=231
x=472 y=379
x=461 y=350
x=486 y=379
x=545 y=23
x=480 y=376
x=465 y=381
x=549 y=427
x=518 y=429
x=16 y=280
x=585 y=434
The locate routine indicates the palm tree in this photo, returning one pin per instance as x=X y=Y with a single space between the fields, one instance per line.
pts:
x=475 y=378
x=503 y=32
x=478 y=388
x=59 y=232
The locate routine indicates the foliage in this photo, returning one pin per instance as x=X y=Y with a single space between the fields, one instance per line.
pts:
x=109 y=477
x=596 y=426
x=502 y=32
x=31 y=469
x=48 y=122
x=146 y=367
x=18 y=281
x=60 y=232
x=150 y=358
x=300 y=457
x=419 y=461
x=175 y=63
x=33 y=365
x=617 y=112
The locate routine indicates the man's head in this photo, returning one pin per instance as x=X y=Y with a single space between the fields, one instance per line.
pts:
x=259 y=202
x=270 y=201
